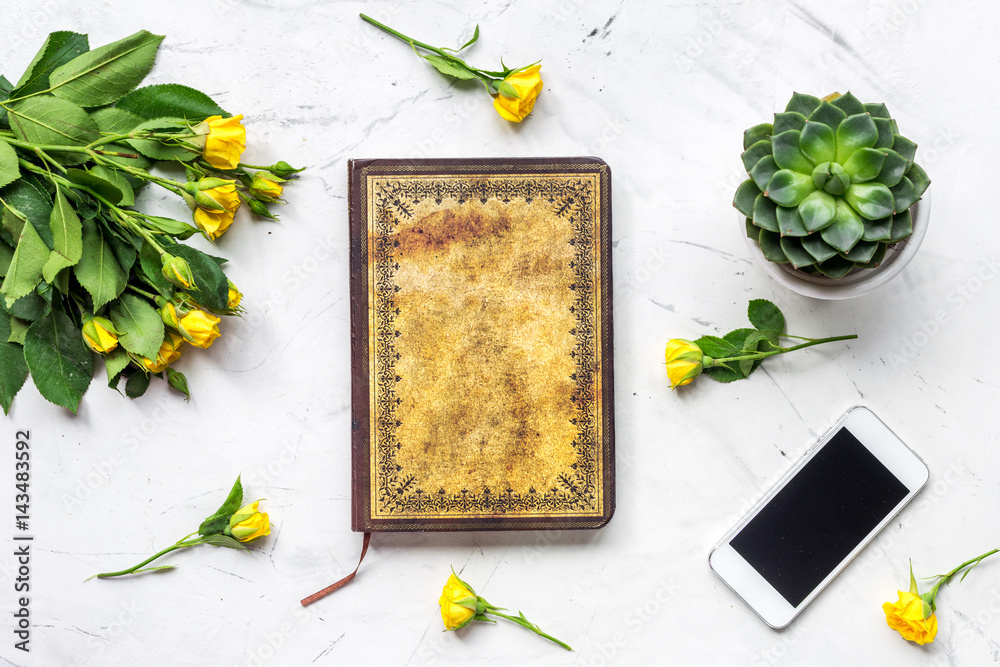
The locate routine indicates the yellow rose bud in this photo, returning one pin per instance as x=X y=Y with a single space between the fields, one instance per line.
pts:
x=168 y=354
x=528 y=84
x=177 y=271
x=100 y=335
x=266 y=186
x=215 y=208
x=685 y=362
x=168 y=313
x=458 y=603
x=907 y=617
x=225 y=142
x=248 y=524
x=199 y=328
x=234 y=297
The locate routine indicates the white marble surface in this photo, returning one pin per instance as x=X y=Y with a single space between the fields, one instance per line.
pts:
x=661 y=91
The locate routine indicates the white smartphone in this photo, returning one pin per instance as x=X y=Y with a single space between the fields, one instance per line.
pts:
x=847 y=487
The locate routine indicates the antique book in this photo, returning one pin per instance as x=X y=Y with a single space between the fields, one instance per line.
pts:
x=481 y=340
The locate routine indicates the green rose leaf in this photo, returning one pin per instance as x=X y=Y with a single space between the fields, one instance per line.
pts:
x=724 y=374
x=751 y=345
x=171 y=227
x=24 y=201
x=156 y=149
x=59 y=48
x=213 y=287
x=30 y=307
x=61 y=364
x=13 y=369
x=125 y=194
x=854 y=133
x=103 y=75
x=715 y=347
x=18 y=330
x=48 y=120
x=219 y=540
x=98 y=270
x=25 y=271
x=140 y=329
x=218 y=522
x=446 y=66
x=114 y=363
x=766 y=316
x=6 y=255
x=9 y=170
x=67 y=234
x=116 y=120
x=152 y=268
x=137 y=384
x=170 y=100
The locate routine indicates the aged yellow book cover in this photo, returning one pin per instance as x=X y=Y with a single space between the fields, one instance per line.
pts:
x=481 y=323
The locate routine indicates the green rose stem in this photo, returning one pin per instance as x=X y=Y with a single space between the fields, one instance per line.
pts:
x=709 y=362
x=929 y=596
x=494 y=81
x=183 y=543
x=525 y=623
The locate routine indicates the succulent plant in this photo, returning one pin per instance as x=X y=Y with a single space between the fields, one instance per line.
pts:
x=831 y=184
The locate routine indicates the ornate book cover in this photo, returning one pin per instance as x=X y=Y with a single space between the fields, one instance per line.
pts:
x=482 y=369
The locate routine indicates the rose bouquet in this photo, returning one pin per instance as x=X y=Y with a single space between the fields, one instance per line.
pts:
x=83 y=269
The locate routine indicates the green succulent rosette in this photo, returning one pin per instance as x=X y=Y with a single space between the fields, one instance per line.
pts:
x=831 y=184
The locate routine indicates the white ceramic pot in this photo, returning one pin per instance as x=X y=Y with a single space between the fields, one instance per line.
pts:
x=858 y=281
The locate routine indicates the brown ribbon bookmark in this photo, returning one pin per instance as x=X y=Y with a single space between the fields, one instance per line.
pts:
x=343 y=582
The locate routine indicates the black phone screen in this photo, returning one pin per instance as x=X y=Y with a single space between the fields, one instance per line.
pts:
x=819 y=517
